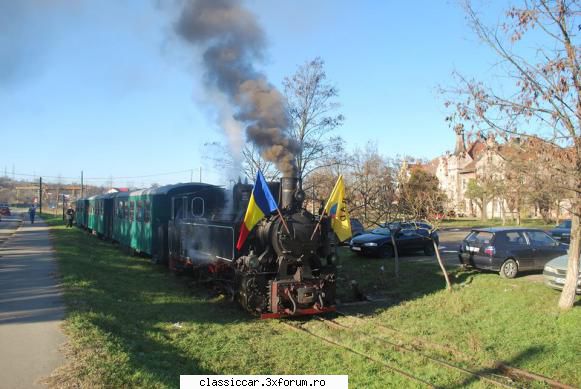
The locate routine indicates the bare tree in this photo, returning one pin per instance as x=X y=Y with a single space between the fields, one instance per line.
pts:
x=371 y=191
x=312 y=106
x=250 y=162
x=539 y=52
x=421 y=198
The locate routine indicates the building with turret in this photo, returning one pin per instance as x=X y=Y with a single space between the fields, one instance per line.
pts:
x=479 y=160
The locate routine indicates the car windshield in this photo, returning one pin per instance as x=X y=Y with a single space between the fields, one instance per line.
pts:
x=565 y=224
x=380 y=231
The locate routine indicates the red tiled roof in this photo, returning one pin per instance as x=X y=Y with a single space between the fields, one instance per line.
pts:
x=476 y=148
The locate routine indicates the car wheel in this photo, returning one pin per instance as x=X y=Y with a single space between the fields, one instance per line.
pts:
x=509 y=268
x=429 y=249
x=386 y=252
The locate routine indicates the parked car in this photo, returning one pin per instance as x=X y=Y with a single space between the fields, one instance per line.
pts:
x=509 y=250
x=4 y=210
x=555 y=272
x=356 y=227
x=409 y=236
x=562 y=232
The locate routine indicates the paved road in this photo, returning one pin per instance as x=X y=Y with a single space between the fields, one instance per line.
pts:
x=31 y=308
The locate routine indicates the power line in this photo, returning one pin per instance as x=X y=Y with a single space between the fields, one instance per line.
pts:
x=103 y=178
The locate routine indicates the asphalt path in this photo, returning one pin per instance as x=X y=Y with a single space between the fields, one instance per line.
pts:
x=8 y=226
x=31 y=306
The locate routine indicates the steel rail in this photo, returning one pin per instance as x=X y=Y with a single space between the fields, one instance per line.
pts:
x=507 y=371
x=379 y=361
x=333 y=323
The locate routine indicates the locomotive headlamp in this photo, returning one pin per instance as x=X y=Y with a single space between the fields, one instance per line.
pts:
x=300 y=196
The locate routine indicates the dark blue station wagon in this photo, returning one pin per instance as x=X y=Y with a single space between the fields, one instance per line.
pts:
x=509 y=250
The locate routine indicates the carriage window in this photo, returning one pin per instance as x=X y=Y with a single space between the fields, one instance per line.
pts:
x=120 y=209
x=139 y=215
x=131 y=210
x=147 y=212
x=197 y=207
x=179 y=208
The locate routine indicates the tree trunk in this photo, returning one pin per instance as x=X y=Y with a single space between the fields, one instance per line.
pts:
x=567 y=298
x=446 y=276
x=518 y=209
x=395 y=253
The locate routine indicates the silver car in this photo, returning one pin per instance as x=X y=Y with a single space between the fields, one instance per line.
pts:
x=556 y=271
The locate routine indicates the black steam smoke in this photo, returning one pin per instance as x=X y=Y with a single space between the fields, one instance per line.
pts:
x=232 y=41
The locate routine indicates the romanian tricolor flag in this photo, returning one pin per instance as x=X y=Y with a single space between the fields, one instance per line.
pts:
x=261 y=203
x=337 y=211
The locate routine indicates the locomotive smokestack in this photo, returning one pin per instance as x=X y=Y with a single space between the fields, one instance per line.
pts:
x=289 y=186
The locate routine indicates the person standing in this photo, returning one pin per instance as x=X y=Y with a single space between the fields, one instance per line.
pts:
x=32 y=213
x=70 y=216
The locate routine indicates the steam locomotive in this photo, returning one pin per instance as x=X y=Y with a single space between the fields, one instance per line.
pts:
x=193 y=228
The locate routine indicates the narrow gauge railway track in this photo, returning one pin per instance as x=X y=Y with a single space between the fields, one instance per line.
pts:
x=509 y=372
x=445 y=364
x=366 y=356
x=503 y=376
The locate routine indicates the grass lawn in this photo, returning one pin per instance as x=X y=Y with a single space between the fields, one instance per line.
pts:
x=131 y=324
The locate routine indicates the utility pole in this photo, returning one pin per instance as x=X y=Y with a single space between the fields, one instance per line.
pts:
x=200 y=174
x=63 y=206
x=40 y=195
x=82 y=187
x=191 y=175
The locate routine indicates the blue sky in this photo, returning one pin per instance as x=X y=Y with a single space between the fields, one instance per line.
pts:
x=106 y=87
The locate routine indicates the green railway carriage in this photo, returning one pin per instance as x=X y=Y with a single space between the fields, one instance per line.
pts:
x=140 y=218
x=121 y=224
x=100 y=215
x=92 y=213
x=81 y=213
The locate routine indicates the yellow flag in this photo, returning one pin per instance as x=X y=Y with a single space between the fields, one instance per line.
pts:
x=337 y=211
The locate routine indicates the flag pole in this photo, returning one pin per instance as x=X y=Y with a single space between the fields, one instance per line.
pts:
x=283 y=221
x=317 y=226
x=325 y=209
